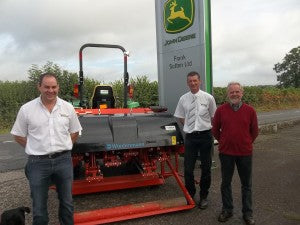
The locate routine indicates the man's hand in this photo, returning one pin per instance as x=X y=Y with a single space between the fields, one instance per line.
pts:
x=181 y=120
x=21 y=140
x=74 y=137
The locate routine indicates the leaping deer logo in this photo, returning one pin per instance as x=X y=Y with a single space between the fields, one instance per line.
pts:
x=176 y=14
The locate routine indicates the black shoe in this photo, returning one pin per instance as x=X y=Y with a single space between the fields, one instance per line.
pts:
x=203 y=204
x=224 y=216
x=249 y=220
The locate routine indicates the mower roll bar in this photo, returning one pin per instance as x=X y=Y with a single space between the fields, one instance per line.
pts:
x=126 y=76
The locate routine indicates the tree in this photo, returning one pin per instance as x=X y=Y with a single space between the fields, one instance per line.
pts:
x=145 y=91
x=289 y=69
x=65 y=78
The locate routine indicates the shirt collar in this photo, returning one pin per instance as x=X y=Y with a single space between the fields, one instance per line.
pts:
x=236 y=107
x=58 y=101
x=197 y=93
x=200 y=97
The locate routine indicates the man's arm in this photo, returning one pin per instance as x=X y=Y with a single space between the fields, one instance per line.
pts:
x=179 y=111
x=181 y=120
x=216 y=125
x=21 y=140
x=254 y=127
x=212 y=107
x=74 y=136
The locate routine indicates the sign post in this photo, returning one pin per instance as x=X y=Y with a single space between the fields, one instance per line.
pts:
x=183 y=45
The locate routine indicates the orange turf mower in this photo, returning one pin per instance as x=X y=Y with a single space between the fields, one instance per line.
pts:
x=122 y=148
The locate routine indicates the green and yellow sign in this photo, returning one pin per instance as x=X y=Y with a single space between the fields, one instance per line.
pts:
x=178 y=15
x=183 y=45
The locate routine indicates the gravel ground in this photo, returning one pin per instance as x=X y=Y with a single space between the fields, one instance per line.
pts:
x=276 y=197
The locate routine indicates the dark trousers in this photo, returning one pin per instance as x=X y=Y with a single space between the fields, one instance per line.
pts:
x=41 y=173
x=198 y=144
x=244 y=167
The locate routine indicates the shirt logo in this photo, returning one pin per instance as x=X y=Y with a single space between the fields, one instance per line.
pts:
x=178 y=16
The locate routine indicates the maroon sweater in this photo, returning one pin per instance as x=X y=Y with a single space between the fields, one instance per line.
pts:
x=235 y=130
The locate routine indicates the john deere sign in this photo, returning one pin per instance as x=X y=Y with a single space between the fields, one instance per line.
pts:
x=178 y=16
x=182 y=46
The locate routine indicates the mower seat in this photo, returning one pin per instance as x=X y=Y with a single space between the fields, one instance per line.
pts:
x=103 y=97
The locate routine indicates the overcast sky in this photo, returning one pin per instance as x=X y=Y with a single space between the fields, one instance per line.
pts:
x=248 y=37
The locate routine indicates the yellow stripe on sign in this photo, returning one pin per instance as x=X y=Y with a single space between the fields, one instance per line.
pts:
x=173 y=140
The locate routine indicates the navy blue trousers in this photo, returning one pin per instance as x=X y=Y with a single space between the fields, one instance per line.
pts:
x=244 y=168
x=198 y=144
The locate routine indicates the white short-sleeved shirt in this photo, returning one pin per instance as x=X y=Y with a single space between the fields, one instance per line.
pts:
x=205 y=110
x=46 y=132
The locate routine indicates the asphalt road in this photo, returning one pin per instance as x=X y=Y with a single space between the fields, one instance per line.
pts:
x=278 y=116
x=276 y=181
x=12 y=155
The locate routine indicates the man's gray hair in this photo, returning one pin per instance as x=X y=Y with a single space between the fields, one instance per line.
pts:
x=235 y=83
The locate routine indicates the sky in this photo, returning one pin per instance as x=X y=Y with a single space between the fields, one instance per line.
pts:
x=248 y=37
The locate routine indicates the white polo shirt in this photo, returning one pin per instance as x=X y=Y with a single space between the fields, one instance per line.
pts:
x=205 y=110
x=46 y=132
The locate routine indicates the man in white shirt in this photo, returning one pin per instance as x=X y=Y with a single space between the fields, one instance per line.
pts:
x=195 y=110
x=47 y=127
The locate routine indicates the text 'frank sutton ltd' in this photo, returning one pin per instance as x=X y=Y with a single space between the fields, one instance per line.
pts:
x=180 y=62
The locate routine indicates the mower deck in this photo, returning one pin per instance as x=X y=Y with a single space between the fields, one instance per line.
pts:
x=132 y=211
x=115 y=183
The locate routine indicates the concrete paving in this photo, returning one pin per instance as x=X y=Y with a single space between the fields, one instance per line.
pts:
x=276 y=196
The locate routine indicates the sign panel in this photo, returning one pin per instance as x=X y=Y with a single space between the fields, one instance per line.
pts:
x=180 y=47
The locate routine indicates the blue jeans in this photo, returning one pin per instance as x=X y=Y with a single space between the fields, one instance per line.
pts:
x=195 y=144
x=43 y=172
x=244 y=167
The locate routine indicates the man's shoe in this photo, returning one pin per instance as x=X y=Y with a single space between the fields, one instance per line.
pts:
x=224 y=216
x=203 y=204
x=249 y=220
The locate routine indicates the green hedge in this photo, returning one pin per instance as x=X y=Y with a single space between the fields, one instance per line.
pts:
x=264 y=98
x=14 y=94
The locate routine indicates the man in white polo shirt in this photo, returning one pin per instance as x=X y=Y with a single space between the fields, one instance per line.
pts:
x=47 y=127
x=195 y=110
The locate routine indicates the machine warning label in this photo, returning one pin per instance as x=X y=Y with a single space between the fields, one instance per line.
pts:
x=115 y=146
x=172 y=128
x=173 y=140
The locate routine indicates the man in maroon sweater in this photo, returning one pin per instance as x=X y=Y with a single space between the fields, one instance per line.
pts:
x=235 y=127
